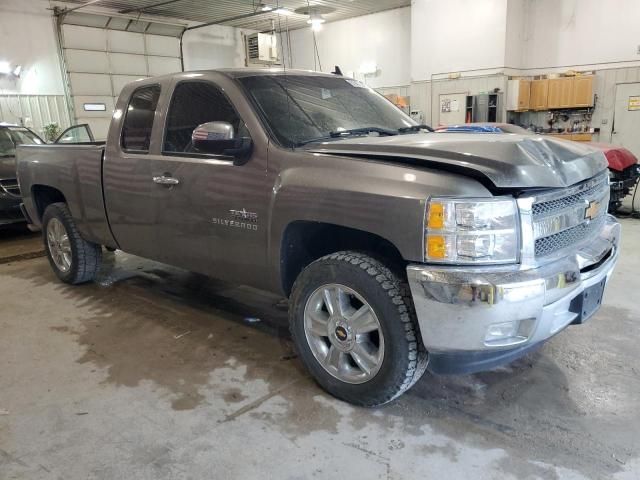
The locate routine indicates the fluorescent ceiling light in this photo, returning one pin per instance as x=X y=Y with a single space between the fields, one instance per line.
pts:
x=282 y=11
x=5 y=68
x=265 y=8
x=17 y=71
x=95 y=107
x=318 y=20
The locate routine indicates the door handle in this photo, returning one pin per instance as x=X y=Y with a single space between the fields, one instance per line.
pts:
x=166 y=180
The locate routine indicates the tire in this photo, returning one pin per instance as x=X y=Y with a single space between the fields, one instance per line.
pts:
x=83 y=258
x=357 y=281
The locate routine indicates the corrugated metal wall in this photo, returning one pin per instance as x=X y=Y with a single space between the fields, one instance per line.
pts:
x=605 y=88
x=34 y=111
x=425 y=95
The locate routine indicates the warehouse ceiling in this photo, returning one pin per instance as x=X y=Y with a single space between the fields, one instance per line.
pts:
x=248 y=14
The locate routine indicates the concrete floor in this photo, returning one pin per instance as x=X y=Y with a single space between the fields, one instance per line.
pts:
x=154 y=373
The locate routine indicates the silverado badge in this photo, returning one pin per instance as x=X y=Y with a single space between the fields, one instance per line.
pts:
x=239 y=219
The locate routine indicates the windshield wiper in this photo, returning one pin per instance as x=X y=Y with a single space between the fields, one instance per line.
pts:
x=415 y=128
x=363 y=130
x=348 y=133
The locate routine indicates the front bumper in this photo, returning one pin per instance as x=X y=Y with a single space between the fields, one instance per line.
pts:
x=457 y=306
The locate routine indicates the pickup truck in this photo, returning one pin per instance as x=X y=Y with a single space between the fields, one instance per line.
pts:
x=398 y=249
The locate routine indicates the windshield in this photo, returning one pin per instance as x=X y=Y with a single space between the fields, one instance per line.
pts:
x=302 y=108
x=12 y=136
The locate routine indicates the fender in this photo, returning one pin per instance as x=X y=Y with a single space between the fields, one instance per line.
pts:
x=387 y=200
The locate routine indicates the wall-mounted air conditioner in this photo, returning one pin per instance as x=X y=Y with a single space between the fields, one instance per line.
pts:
x=262 y=49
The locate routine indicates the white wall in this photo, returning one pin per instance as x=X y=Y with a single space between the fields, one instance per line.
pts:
x=456 y=35
x=216 y=46
x=516 y=35
x=28 y=38
x=382 y=39
x=581 y=32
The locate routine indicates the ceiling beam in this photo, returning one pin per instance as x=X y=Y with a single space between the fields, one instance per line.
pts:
x=90 y=2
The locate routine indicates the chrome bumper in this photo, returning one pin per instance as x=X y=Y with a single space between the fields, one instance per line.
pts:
x=457 y=307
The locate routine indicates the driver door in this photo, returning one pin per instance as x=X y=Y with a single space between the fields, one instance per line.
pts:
x=210 y=211
x=76 y=134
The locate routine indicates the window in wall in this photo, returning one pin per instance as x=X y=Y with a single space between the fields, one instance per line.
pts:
x=138 y=121
x=193 y=104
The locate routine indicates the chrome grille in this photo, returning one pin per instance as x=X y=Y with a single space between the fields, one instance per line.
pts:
x=10 y=186
x=560 y=241
x=565 y=218
x=557 y=204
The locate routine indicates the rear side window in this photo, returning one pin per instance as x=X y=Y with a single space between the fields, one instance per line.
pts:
x=138 y=121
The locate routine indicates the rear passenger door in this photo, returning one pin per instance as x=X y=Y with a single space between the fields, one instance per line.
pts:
x=130 y=194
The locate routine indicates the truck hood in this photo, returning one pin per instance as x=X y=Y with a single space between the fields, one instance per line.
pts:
x=507 y=161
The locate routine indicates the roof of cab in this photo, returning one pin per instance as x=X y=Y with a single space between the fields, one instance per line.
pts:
x=236 y=73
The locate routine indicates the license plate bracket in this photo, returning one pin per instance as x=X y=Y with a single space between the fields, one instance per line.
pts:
x=588 y=302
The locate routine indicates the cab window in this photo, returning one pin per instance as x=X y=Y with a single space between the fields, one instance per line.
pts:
x=193 y=104
x=138 y=120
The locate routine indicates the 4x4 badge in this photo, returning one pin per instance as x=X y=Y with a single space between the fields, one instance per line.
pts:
x=244 y=215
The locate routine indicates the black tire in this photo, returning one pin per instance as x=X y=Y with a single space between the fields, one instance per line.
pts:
x=405 y=358
x=85 y=256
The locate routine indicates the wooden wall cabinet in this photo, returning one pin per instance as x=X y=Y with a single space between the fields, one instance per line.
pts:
x=571 y=92
x=582 y=91
x=518 y=95
x=539 y=94
x=554 y=93
x=560 y=92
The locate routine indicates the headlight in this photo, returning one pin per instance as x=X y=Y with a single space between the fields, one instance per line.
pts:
x=469 y=230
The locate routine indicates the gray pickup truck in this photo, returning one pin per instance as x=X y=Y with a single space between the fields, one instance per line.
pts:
x=399 y=249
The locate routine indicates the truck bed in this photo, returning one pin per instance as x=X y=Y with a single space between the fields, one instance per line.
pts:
x=75 y=173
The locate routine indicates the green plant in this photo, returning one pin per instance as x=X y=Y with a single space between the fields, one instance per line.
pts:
x=51 y=131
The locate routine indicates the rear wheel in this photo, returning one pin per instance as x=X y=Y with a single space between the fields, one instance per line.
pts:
x=353 y=325
x=73 y=259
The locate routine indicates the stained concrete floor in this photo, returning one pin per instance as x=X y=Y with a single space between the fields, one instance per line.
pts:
x=156 y=373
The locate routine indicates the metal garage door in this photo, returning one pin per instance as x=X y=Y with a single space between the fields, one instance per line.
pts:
x=100 y=61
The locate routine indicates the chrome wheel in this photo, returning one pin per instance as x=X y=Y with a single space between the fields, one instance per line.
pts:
x=59 y=245
x=344 y=333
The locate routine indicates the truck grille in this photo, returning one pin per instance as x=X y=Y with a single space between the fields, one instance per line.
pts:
x=10 y=186
x=566 y=218
x=571 y=236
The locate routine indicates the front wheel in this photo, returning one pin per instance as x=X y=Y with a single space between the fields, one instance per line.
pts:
x=354 y=328
x=73 y=259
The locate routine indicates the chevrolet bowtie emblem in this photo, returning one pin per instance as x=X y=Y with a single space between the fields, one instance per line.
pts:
x=592 y=210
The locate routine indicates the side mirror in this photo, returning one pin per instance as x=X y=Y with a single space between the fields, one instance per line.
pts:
x=218 y=138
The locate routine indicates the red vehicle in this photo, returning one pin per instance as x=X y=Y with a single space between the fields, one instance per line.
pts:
x=624 y=169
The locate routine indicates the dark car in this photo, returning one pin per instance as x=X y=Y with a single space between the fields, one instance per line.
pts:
x=10 y=136
x=624 y=170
